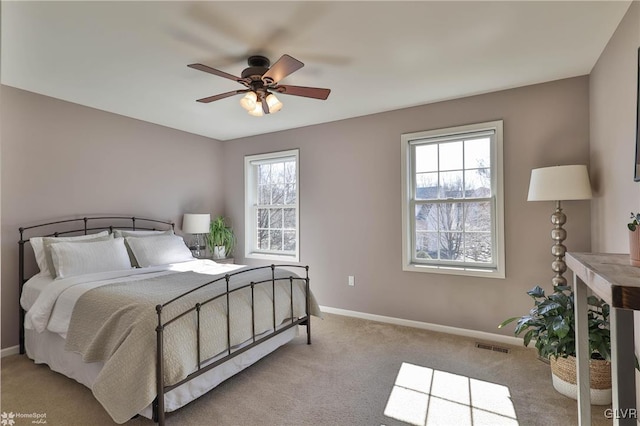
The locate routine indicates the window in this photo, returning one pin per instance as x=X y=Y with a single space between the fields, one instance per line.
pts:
x=452 y=207
x=271 y=206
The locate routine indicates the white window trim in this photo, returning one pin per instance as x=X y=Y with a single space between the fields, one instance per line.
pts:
x=407 y=238
x=250 y=185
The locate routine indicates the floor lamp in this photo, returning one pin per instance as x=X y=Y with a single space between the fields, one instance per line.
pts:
x=559 y=183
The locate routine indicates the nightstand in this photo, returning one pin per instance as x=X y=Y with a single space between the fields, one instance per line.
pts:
x=225 y=260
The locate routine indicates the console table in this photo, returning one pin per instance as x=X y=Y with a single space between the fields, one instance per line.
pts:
x=610 y=277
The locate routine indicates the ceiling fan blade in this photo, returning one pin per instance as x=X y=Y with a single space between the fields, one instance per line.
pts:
x=326 y=58
x=307 y=92
x=214 y=71
x=265 y=105
x=282 y=68
x=192 y=40
x=301 y=18
x=220 y=96
x=211 y=16
x=289 y=25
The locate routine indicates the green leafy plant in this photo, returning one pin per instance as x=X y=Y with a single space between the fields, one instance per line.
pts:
x=551 y=324
x=635 y=221
x=221 y=235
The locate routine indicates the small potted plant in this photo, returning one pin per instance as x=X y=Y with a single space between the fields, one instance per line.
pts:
x=551 y=323
x=221 y=239
x=634 y=239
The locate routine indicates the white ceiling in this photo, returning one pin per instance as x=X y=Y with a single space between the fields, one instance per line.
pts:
x=131 y=58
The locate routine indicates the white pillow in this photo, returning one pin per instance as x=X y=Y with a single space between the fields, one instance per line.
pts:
x=159 y=250
x=129 y=233
x=141 y=234
x=47 y=242
x=41 y=253
x=71 y=259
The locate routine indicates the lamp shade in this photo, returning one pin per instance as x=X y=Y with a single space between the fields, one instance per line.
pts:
x=249 y=101
x=196 y=223
x=257 y=111
x=559 y=183
x=274 y=103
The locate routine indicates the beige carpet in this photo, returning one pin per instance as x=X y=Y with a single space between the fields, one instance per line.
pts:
x=348 y=376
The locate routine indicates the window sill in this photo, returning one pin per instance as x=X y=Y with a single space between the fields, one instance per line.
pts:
x=278 y=257
x=453 y=270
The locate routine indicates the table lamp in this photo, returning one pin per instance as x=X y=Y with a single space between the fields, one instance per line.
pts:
x=559 y=183
x=196 y=224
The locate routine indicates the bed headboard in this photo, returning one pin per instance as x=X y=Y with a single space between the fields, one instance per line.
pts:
x=77 y=226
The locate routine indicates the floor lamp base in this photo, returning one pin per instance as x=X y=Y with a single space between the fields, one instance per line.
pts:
x=558 y=250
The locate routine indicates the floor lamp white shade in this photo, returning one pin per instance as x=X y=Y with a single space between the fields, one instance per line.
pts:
x=559 y=183
x=197 y=224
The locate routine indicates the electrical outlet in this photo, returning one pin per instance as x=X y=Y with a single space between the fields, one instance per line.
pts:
x=352 y=280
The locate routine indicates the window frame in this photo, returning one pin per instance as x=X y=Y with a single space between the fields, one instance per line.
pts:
x=250 y=205
x=497 y=269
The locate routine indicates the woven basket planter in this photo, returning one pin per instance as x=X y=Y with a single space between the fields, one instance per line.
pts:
x=634 y=247
x=563 y=372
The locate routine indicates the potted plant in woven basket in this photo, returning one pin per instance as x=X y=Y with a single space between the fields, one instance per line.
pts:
x=550 y=323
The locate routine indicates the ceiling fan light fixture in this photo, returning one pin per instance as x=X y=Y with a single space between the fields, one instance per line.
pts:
x=274 y=103
x=257 y=111
x=249 y=101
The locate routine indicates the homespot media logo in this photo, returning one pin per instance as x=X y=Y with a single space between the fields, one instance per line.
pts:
x=9 y=419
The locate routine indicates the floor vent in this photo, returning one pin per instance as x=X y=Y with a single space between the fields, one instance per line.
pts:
x=494 y=348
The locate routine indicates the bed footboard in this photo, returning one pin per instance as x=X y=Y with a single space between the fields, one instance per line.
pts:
x=202 y=365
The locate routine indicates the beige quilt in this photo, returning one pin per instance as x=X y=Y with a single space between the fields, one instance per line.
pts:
x=115 y=324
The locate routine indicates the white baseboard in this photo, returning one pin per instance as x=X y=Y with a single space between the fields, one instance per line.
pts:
x=9 y=351
x=480 y=335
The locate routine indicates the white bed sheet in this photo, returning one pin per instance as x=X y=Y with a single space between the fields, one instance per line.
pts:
x=52 y=307
x=33 y=288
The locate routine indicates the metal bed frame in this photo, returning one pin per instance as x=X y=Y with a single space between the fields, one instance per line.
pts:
x=150 y=224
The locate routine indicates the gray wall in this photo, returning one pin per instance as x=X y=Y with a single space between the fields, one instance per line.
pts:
x=60 y=160
x=351 y=212
x=612 y=86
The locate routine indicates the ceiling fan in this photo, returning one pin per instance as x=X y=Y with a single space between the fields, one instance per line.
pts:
x=260 y=81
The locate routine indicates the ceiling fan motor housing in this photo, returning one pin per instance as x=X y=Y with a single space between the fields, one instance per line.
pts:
x=253 y=72
x=258 y=61
x=258 y=65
